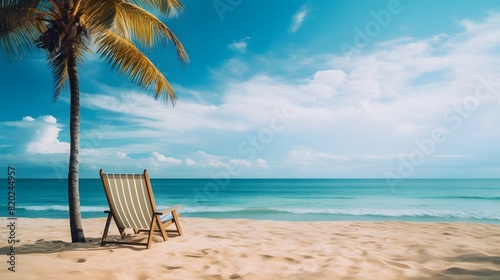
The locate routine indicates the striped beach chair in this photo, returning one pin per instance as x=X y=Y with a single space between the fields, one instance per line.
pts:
x=132 y=206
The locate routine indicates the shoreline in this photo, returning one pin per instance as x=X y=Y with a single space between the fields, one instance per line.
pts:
x=259 y=249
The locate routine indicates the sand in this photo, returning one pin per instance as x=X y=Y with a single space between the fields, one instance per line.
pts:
x=248 y=249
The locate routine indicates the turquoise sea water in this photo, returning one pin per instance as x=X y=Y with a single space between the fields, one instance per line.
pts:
x=426 y=200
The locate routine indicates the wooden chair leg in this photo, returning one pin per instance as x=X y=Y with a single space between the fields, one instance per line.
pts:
x=151 y=232
x=106 y=229
x=122 y=232
x=176 y=221
x=162 y=228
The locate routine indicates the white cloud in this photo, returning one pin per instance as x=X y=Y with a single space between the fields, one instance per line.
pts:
x=451 y=156
x=190 y=162
x=169 y=160
x=233 y=67
x=49 y=119
x=121 y=155
x=240 y=162
x=372 y=109
x=324 y=84
x=298 y=18
x=387 y=156
x=43 y=133
x=205 y=159
x=309 y=156
x=239 y=46
x=332 y=78
x=261 y=163
x=89 y=152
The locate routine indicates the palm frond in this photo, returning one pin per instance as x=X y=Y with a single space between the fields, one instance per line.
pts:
x=51 y=12
x=166 y=7
x=125 y=57
x=20 y=25
x=147 y=29
x=116 y=26
x=121 y=25
x=59 y=66
x=55 y=6
x=98 y=14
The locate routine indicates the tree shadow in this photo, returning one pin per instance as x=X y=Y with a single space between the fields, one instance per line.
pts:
x=456 y=272
x=43 y=246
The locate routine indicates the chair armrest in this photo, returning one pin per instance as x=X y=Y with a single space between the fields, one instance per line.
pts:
x=171 y=209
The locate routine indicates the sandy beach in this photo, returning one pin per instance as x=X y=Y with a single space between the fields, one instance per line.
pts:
x=249 y=249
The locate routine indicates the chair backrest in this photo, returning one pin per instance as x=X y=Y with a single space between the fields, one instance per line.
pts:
x=130 y=198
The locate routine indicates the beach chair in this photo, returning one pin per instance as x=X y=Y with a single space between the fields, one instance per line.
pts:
x=132 y=206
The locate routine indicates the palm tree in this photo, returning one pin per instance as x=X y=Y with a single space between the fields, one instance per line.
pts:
x=69 y=29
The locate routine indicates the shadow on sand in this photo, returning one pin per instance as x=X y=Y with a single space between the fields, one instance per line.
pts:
x=458 y=272
x=43 y=246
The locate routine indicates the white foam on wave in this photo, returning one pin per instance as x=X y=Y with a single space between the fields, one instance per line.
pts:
x=395 y=213
x=398 y=213
x=63 y=208
x=209 y=209
x=104 y=208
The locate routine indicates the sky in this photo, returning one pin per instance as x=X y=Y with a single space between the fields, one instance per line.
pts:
x=391 y=89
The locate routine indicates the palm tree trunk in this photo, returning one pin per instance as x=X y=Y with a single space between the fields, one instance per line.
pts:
x=75 y=219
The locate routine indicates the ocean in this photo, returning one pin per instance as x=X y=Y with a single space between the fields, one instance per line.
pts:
x=414 y=200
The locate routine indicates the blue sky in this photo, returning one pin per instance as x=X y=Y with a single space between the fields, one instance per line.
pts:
x=337 y=89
